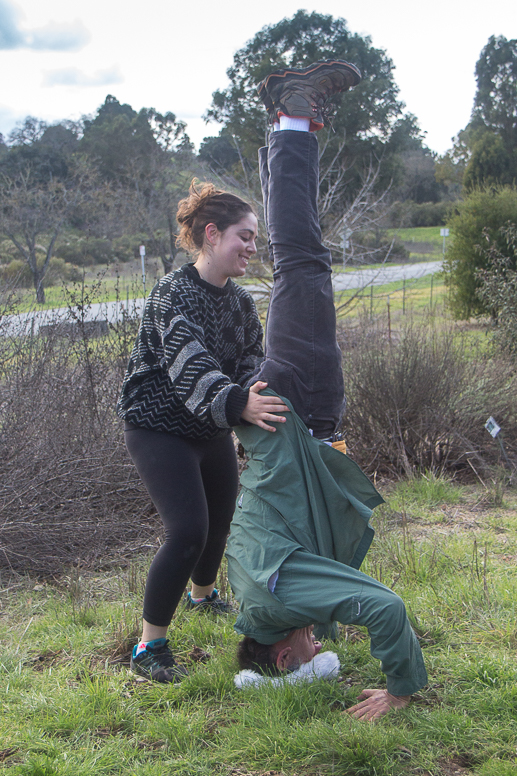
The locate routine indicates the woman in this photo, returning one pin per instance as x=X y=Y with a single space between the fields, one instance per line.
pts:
x=199 y=342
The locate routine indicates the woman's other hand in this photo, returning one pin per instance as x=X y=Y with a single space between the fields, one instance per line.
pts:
x=259 y=408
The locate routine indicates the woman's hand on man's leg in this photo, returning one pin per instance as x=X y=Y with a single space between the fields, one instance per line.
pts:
x=260 y=409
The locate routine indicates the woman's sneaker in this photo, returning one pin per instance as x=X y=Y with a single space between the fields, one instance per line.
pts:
x=210 y=603
x=156 y=662
x=305 y=93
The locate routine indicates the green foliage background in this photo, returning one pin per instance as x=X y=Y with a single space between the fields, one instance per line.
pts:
x=478 y=219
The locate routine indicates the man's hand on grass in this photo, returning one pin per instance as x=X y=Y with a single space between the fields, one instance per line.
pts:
x=377 y=703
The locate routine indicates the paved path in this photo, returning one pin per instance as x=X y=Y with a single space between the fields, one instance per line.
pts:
x=385 y=274
x=25 y=323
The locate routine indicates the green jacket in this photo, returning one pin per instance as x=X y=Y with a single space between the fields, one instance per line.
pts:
x=297 y=493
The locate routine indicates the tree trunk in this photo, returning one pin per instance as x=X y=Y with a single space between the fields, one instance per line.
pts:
x=38 y=285
x=167 y=262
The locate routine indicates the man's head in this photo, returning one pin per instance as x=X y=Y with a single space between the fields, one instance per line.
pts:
x=288 y=654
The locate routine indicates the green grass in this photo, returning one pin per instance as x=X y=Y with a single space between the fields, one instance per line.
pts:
x=103 y=285
x=420 y=234
x=424 y=243
x=419 y=295
x=96 y=289
x=71 y=707
x=416 y=296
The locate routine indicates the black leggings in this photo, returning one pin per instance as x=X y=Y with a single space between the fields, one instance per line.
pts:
x=193 y=485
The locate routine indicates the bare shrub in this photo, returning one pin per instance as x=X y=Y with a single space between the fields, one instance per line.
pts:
x=69 y=492
x=420 y=400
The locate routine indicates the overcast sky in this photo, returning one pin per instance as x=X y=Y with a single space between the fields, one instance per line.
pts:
x=60 y=58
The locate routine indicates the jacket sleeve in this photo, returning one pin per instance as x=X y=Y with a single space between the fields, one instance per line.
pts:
x=194 y=373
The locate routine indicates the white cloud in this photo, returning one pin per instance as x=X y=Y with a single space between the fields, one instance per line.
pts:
x=10 y=35
x=72 y=76
x=59 y=37
x=54 y=36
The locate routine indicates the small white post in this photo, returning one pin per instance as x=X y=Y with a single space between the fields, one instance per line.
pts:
x=142 y=256
x=345 y=242
x=444 y=233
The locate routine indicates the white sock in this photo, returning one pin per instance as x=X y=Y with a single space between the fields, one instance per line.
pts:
x=276 y=126
x=300 y=125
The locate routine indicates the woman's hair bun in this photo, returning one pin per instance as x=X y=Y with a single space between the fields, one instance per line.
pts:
x=205 y=204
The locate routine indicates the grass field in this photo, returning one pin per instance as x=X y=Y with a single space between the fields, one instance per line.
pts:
x=412 y=295
x=109 y=283
x=420 y=295
x=424 y=243
x=70 y=706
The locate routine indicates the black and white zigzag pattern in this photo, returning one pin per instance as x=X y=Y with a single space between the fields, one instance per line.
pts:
x=196 y=347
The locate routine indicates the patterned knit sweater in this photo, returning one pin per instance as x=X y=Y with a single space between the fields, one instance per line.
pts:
x=196 y=347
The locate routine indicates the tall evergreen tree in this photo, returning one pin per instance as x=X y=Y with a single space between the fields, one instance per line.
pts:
x=492 y=131
x=367 y=118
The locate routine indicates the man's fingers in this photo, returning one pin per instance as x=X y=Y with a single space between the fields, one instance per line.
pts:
x=359 y=709
x=376 y=703
x=367 y=711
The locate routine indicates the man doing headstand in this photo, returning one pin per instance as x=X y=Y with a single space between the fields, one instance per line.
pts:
x=300 y=530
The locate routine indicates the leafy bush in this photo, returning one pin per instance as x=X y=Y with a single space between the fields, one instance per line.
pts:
x=375 y=247
x=412 y=214
x=421 y=403
x=17 y=272
x=481 y=215
x=498 y=289
x=85 y=251
x=7 y=251
x=125 y=248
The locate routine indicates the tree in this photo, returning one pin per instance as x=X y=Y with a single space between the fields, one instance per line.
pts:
x=480 y=216
x=450 y=167
x=498 y=287
x=159 y=179
x=114 y=136
x=491 y=135
x=33 y=214
x=220 y=152
x=146 y=154
x=495 y=103
x=46 y=150
x=154 y=200
x=489 y=164
x=367 y=116
x=485 y=151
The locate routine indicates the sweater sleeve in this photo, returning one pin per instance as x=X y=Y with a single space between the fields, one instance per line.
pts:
x=195 y=374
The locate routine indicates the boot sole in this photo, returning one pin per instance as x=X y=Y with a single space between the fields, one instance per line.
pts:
x=280 y=75
x=277 y=78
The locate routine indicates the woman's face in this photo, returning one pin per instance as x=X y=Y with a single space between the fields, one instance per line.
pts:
x=231 y=250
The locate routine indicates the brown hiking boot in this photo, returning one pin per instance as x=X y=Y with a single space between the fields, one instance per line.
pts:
x=305 y=93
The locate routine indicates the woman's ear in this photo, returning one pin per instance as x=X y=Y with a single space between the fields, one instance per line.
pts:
x=211 y=233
